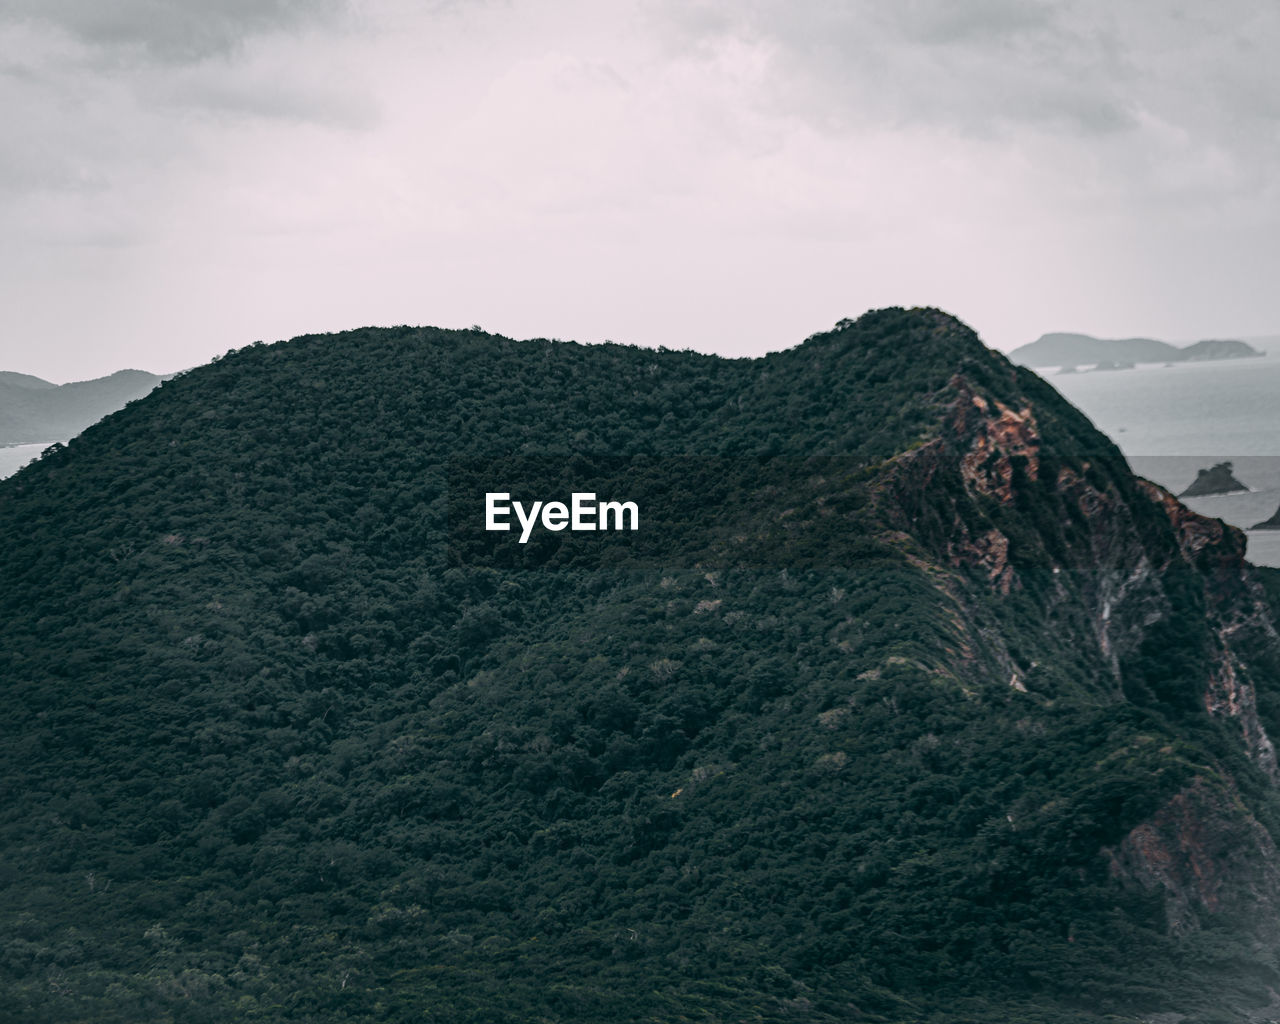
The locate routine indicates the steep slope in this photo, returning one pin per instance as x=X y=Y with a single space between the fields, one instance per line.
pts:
x=908 y=701
x=33 y=410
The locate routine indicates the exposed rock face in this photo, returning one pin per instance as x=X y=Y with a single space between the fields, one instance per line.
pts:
x=1215 y=480
x=989 y=550
x=1237 y=616
x=1125 y=549
x=1208 y=855
x=1002 y=436
x=1231 y=696
x=1210 y=544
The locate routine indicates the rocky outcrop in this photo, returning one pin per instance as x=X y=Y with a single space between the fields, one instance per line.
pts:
x=995 y=435
x=1118 y=561
x=990 y=552
x=1237 y=615
x=1118 y=580
x=1206 y=854
x=1214 y=547
x=1230 y=695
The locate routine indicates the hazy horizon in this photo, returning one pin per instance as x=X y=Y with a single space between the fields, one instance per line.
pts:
x=1260 y=341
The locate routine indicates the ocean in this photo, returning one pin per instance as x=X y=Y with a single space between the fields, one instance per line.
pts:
x=1172 y=421
x=14 y=456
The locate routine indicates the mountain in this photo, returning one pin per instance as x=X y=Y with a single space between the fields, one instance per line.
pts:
x=34 y=410
x=9 y=379
x=906 y=701
x=1082 y=349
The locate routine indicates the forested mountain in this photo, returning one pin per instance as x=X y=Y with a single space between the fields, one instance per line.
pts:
x=34 y=410
x=1063 y=349
x=906 y=702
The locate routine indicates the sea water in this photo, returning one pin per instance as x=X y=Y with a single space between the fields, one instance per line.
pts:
x=1172 y=421
x=14 y=456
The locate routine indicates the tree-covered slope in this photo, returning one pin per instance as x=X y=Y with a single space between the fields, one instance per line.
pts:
x=907 y=702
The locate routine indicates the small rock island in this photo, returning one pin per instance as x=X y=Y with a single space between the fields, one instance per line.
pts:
x=1217 y=480
x=1268 y=524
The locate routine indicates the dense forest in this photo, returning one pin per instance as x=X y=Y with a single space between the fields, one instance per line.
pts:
x=908 y=701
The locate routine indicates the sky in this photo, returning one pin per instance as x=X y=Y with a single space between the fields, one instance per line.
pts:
x=182 y=178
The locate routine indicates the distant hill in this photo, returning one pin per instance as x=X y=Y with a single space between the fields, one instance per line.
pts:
x=24 y=380
x=907 y=702
x=34 y=410
x=1080 y=349
x=1204 y=350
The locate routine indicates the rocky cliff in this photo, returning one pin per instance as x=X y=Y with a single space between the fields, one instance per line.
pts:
x=1116 y=567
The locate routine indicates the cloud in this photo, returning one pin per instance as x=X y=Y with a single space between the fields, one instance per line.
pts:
x=167 y=31
x=299 y=81
x=991 y=66
x=979 y=68
x=1148 y=102
x=104 y=102
x=946 y=22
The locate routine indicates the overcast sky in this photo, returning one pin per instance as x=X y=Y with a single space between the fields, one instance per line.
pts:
x=180 y=178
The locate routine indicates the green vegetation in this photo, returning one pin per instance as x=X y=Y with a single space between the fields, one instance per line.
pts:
x=859 y=736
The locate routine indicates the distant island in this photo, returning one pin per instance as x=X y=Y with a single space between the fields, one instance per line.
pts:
x=33 y=410
x=1081 y=349
x=1216 y=480
x=1268 y=524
